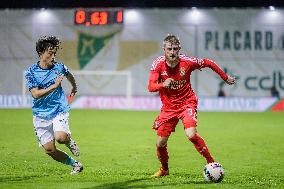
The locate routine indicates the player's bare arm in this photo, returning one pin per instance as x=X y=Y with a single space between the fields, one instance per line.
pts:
x=38 y=93
x=71 y=79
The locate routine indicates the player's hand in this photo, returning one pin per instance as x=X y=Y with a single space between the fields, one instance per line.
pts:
x=58 y=81
x=73 y=91
x=167 y=83
x=71 y=97
x=231 y=80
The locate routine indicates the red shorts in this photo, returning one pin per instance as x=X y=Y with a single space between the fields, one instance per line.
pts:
x=167 y=120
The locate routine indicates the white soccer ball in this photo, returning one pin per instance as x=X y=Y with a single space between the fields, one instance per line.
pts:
x=213 y=172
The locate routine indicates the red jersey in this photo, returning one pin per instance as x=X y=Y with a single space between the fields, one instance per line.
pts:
x=180 y=92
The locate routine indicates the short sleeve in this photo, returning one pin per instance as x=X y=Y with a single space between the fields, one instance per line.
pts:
x=65 y=70
x=30 y=80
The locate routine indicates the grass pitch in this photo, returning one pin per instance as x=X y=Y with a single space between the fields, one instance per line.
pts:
x=118 y=151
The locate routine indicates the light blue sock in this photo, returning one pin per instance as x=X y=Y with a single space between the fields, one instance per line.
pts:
x=69 y=161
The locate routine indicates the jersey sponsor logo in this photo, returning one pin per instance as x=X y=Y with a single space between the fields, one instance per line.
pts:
x=182 y=71
x=177 y=84
x=164 y=73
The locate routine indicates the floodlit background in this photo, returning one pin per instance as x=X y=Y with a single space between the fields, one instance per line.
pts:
x=110 y=56
x=110 y=50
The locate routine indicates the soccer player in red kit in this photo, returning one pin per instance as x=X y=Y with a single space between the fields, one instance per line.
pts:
x=170 y=76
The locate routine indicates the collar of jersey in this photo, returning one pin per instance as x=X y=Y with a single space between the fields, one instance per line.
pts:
x=45 y=68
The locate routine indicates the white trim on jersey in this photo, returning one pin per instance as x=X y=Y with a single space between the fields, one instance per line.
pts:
x=157 y=61
x=192 y=59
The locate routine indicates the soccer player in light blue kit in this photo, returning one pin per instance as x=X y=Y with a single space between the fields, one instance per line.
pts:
x=50 y=106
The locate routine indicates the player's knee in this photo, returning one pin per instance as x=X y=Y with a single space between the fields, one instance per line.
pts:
x=190 y=132
x=190 y=136
x=161 y=144
x=50 y=150
x=62 y=139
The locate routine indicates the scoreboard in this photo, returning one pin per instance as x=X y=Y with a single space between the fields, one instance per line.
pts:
x=98 y=17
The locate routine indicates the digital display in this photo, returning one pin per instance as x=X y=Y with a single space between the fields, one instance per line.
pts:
x=98 y=17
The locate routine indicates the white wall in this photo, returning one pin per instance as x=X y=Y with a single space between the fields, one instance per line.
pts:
x=248 y=42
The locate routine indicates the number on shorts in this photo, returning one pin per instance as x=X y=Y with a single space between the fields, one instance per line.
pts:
x=192 y=113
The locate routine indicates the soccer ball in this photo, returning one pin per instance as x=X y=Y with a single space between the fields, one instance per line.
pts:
x=213 y=172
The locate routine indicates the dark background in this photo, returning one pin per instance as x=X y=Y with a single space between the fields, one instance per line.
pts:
x=137 y=3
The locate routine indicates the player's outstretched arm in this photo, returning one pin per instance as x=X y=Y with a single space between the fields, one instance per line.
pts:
x=227 y=78
x=71 y=79
x=38 y=93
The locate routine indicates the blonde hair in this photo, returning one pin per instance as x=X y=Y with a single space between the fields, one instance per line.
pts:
x=170 y=38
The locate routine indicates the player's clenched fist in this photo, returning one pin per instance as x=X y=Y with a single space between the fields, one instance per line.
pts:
x=58 y=80
x=167 y=83
x=231 y=80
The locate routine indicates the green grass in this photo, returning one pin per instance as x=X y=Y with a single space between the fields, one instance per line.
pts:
x=118 y=151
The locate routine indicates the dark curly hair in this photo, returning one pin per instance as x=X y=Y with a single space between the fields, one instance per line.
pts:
x=45 y=43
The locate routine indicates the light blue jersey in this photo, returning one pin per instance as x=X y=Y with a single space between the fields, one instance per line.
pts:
x=54 y=103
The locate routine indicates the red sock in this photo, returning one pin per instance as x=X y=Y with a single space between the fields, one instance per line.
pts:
x=201 y=147
x=163 y=156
